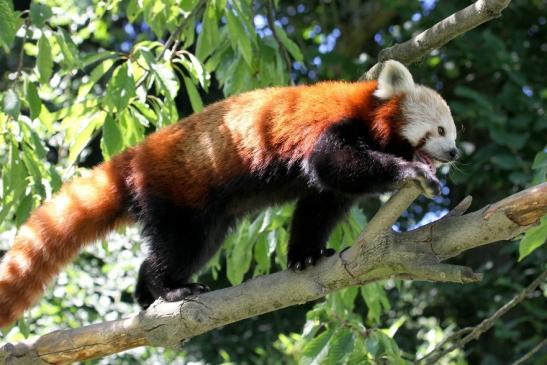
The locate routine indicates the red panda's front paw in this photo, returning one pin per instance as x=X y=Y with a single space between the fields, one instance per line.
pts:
x=300 y=261
x=424 y=176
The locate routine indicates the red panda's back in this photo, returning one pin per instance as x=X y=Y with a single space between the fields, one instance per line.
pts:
x=242 y=135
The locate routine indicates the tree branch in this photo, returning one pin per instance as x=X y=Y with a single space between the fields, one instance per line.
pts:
x=378 y=254
x=440 y=34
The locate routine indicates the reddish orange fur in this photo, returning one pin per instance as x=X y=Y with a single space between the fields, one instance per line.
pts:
x=182 y=163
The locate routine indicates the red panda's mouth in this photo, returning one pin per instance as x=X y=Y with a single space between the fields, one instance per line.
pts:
x=426 y=158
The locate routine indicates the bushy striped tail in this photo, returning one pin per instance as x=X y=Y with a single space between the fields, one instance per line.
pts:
x=84 y=210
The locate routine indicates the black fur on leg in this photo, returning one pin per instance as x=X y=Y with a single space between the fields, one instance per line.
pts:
x=181 y=241
x=315 y=216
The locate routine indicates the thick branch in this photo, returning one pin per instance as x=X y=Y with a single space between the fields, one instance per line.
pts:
x=378 y=254
x=440 y=34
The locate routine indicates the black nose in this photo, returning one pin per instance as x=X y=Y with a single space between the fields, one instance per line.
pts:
x=453 y=153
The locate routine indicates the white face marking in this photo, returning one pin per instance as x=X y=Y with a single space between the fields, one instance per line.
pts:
x=425 y=111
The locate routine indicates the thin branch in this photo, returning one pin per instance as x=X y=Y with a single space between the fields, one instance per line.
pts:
x=282 y=48
x=531 y=353
x=474 y=333
x=441 y=33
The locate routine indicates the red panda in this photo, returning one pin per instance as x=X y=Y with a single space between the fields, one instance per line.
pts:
x=322 y=145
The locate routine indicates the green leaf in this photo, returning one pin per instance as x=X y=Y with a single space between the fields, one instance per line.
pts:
x=261 y=254
x=193 y=94
x=33 y=99
x=44 y=61
x=376 y=299
x=313 y=349
x=23 y=325
x=8 y=24
x=341 y=345
x=534 y=238
x=95 y=75
x=23 y=210
x=39 y=14
x=11 y=104
x=112 y=139
x=91 y=123
x=239 y=38
x=164 y=75
x=71 y=57
x=239 y=257
x=120 y=89
x=292 y=47
x=209 y=38
x=540 y=161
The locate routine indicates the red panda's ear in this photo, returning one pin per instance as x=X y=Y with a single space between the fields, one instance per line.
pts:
x=394 y=79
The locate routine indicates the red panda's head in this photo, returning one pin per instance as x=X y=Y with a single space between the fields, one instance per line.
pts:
x=427 y=123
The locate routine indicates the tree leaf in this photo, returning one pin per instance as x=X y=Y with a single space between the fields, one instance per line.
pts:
x=313 y=349
x=71 y=57
x=292 y=47
x=23 y=210
x=39 y=14
x=208 y=38
x=193 y=94
x=119 y=90
x=8 y=24
x=33 y=99
x=91 y=123
x=112 y=139
x=95 y=75
x=239 y=38
x=340 y=347
x=534 y=238
x=44 y=60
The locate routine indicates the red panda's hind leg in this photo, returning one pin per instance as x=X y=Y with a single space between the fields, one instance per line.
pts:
x=181 y=240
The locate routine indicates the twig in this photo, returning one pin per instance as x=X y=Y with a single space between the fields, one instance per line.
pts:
x=436 y=354
x=531 y=353
x=441 y=33
x=282 y=48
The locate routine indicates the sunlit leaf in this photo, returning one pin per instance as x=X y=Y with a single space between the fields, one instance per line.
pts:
x=120 y=89
x=533 y=239
x=44 y=61
x=112 y=139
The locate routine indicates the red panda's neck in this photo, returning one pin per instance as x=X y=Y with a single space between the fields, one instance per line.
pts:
x=386 y=121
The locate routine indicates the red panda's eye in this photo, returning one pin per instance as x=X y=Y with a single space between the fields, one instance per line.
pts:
x=441 y=131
